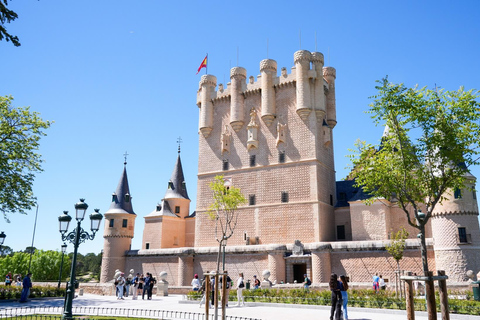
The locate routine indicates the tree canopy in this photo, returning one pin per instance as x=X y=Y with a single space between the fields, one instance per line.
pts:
x=431 y=139
x=226 y=199
x=20 y=133
x=7 y=16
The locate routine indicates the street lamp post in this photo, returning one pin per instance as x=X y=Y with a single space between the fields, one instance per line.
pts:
x=77 y=236
x=2 y=238
x=64 y=249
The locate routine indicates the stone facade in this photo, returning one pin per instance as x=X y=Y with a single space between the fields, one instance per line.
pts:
x=273 y=139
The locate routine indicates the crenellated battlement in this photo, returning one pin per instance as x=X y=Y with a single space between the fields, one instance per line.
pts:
x=315 y=91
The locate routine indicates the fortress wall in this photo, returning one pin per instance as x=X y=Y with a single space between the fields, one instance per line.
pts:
x=360 y=266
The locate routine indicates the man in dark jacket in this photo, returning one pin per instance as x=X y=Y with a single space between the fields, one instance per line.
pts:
x=27 y=284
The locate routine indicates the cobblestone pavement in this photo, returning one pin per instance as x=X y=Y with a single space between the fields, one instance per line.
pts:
x=251 y=310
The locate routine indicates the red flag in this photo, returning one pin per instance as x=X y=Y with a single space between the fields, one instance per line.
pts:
x=203 y=64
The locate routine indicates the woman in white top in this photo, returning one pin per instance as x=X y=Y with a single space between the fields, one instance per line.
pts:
x=240 y=287
x=196 y=283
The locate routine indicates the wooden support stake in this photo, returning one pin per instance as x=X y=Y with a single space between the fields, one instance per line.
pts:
x=207 y=295
x=442 y=289
x=430 y=293
x=224 y=295
x=409 y=298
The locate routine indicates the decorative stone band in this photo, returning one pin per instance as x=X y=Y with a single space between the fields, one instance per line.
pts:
x=456 y=213
x=329 y=72
x=317 y=57
x=238 y=72
x=118 y=236
x=209 y=80
x=302 y=55
x=268 y=64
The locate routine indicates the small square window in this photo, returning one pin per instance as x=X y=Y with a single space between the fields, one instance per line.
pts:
x=474 y=193
x=252 y=160
x=251 y=200
x=124 y=223
x=284 y=196
x=342 y=196
x=110 y=223
x=147 y=245
x=281 y=157
x=177 y=209
x=225 y=165
x=458 y=193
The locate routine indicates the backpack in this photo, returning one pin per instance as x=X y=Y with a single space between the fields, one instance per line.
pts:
x=309 y=282
x=241 y=285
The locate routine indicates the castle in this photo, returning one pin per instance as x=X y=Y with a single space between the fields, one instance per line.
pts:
x=273 y=138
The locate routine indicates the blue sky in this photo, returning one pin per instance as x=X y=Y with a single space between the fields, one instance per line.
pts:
x=119 y=76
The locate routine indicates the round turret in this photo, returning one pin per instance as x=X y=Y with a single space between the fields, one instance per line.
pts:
x=330 y=74
x=268 y=70
x=238 y=75
x=319 y=92
x=302 y=60
x=207 y=87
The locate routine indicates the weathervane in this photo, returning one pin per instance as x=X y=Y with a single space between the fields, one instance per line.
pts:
x=125 y=157
x=179 y=140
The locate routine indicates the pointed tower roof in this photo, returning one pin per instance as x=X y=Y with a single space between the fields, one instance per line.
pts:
x=177 y=187
x=121 y=199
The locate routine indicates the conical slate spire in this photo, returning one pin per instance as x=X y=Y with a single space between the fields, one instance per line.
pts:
x=121 y=199
x=177 y=187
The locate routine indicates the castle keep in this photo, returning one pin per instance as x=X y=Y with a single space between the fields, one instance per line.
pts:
x=272 y=137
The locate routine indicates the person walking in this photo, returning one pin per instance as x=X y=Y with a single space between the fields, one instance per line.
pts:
x=204 y=293
x=135 y=282
x=240 y=287
x=8 y=279
x=141 y=280
x=306 y=282
x=120 y=286
x=344 y=293
x=146 y=285
x=256 y=282
x=27 y=284
x=376 y=280
x=195 y=283
x=227 y=288
x=381 y=283
x=336 y=309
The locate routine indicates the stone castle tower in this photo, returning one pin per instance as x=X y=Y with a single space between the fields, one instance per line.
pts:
x=273 y=139
x=170 y=224
x=456 y=232
x=119 y=229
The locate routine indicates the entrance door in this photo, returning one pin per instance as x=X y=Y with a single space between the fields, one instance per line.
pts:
x=298 y=271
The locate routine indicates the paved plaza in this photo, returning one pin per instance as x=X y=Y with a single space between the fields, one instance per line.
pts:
x=251 y=310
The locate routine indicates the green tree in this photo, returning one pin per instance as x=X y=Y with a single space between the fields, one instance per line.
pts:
x=432 y=138
x=223 y=210
x=20 y=132
x=45 y=264
x=396 y=248
x=226 y=199
x=7 y=16
x=5 y=250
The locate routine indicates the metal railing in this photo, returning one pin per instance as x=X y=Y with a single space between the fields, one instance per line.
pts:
x=51 y=313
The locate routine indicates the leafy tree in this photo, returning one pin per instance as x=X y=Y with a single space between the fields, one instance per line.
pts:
x=432 y=138
x=7 y=16
x=20 y=132
x=226 y=200
x=45 y=264
x=5 y=250
x=30 y=250
x=396 y=247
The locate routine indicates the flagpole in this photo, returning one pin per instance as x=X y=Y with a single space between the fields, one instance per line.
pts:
x=33 y=239
x=206 y=66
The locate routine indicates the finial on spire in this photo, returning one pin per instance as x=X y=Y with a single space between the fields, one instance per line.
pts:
x=125 y=157
x=179 y=140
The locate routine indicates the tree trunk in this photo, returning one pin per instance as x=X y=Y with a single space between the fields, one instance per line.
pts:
x=423 y=250
x=399 y=281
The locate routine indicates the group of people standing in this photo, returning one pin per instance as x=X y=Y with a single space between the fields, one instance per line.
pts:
x=200 y=286
x=140 y=284
x=19 y=281
x=339 y=288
